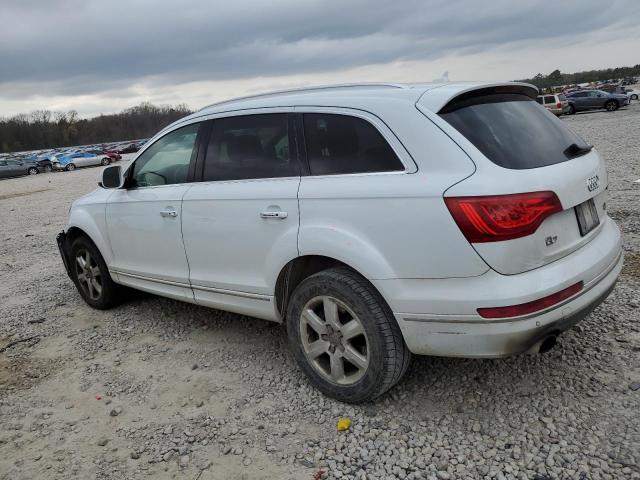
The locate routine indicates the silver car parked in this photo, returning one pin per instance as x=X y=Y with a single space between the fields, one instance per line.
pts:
x=17 y=168
x=595 y=99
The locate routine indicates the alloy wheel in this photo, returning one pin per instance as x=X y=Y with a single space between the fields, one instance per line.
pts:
x=88 y=274
x=334 y=340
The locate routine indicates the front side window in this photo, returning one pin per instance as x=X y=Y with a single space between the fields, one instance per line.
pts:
x=166 y=162
x=342 y=144
x=250 y=147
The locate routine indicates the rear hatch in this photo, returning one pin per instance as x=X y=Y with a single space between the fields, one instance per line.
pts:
x=538 y=193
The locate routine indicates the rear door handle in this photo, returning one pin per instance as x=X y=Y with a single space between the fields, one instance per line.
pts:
x=280 y=215
x=168 y=213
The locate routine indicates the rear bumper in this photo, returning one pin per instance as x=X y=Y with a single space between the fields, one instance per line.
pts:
x=454 y=329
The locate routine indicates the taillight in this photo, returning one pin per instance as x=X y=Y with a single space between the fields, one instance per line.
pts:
x=558 y=105
x=502 y=217
x=530 y=307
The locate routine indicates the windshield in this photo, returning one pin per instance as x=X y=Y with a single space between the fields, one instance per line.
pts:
x=513 y=131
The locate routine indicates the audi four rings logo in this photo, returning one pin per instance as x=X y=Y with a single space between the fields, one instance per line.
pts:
x=592 y=183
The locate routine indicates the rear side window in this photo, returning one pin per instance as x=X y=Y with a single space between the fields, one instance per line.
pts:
x=341 y=144
x=513 y=131
x=248 y=147
x=549 y=99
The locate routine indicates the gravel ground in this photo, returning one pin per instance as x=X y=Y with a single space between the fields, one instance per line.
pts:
x=169 y=390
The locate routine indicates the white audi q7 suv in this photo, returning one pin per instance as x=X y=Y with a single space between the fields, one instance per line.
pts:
x=375 y=221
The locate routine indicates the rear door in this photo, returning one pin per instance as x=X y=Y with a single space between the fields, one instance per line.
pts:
x=240 y=223
x=518 y=149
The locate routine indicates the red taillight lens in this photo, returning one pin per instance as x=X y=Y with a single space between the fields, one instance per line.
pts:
x=530 y=307
x=502 y=217
x=558 y=105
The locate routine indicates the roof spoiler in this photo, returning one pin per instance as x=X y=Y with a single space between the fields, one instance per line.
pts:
x=477 y=95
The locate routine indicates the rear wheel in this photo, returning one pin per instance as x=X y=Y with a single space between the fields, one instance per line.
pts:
x=634 y=97
x=32 y=171
x=344 y=336
x=105 y=161
x=91 y=275
x=572 y=110
x=611 y=105
x=70 y=167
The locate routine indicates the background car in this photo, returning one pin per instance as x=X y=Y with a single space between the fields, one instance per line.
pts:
x=130 y=148
x=632 y=93
x=114 y=156
x=595 y=99
x=80 y=159
x=18 y=167
x=556 y=104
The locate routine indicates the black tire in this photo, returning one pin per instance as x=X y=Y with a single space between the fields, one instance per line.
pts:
x=634 y=97
x=611 y=105
x=32 y=171
x=387 y=353
x=105 y=161
x=110 y=292
x=70 y=168
x=572 y=110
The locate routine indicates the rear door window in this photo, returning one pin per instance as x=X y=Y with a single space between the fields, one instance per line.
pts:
x=549 y=99
x=512 y=130
x=250 y=147
x=341 y=144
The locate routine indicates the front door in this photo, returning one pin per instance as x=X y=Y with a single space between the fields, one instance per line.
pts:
x=240 y=224
x=144 y=220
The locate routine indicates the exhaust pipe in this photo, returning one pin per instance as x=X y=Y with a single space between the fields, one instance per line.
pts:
x=547 y=344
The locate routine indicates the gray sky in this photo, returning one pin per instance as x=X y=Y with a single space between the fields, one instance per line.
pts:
x=100 y=56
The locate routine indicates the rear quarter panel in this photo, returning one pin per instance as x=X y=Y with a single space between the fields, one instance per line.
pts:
x=393 y=225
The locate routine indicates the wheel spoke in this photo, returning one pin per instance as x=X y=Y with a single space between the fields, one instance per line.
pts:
x=96 y=286
x=317 y=348
x=82 y=278
x=90 y=288
x=355 y=357
x=314 y=321
x=337 y=367
x=351 y=329
x=95 y=271
x=80 y=261
x=87 y=259
x=331 y=313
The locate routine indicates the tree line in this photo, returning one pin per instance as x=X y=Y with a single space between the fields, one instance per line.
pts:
x=557 y=78
x=42 y=129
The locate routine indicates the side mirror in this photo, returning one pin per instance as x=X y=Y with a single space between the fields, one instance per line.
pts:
x=112 y=177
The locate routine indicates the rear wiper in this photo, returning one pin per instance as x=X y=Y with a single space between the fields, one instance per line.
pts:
x=574 y=150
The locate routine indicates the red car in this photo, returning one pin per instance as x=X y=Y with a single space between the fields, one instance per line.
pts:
x=114 y=156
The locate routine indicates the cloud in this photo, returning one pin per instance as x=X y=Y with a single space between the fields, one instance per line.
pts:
x=71 y=49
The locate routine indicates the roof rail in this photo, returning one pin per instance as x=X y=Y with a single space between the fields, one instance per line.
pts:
x=307 y=89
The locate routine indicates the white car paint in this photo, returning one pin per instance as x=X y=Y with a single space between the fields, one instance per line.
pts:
x=394 y=228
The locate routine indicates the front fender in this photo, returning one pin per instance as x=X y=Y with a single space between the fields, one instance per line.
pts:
x=90 y=218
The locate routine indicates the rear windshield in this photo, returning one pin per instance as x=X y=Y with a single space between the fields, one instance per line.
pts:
x=512 y=130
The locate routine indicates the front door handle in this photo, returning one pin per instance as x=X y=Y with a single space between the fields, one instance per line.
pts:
x=168 y=213
x=280 y=215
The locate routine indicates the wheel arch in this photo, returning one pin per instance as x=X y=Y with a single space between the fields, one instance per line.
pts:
x=299 y=268
x=81 y=224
